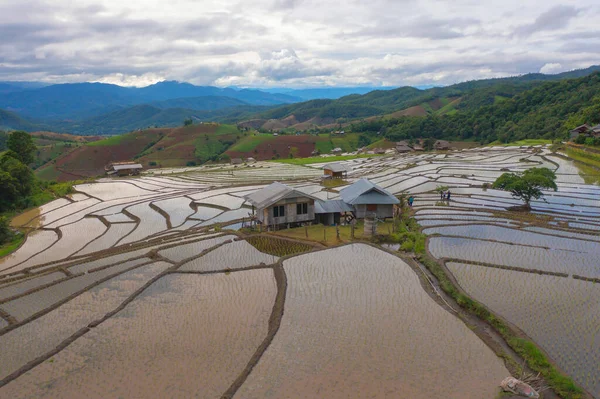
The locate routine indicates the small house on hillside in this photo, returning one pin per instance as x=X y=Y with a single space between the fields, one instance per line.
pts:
x=368 y=199
x=250 y=160
x=579 y=130
x=418 y=147
x=278 y=204
x=123 y=168
x=337 y=151
x=379 y=150
x=441 y=145
x=236 y=161
x=403 y=148
x=335 y=170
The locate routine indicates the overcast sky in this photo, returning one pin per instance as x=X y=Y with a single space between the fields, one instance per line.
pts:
x=294 y=43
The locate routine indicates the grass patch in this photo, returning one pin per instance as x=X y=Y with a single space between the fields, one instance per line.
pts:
x=310 y=160
x=12 y=246
x=277 y=247
x=333 y=183
x=324 y=145
x=226 y=129
x=113 y=140
x=587 y=157
x=520 y=143
x=327 y=234
x=249 y=143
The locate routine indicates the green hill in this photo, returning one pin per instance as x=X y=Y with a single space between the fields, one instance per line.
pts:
x=12 y=121
x=546 y=111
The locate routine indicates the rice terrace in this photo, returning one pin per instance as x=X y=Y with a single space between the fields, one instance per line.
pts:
x=162 y=285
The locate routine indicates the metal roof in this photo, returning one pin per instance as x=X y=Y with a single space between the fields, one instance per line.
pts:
x=274 y=192
x=332 y=206
x=366 y=192
x=128 y=166
x=335 y=167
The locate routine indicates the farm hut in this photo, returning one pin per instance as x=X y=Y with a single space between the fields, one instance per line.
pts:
x=367 y=198
x=595 y=131
x=337 y=151
x=278 y=205
x=332 y=211
x=401 y=149
x=335 y=170
x=418 y=147
x=123 y=168
x=250 y=160
x=379 y=150
x=236 y=161
x=441 y=145
x=579 y=130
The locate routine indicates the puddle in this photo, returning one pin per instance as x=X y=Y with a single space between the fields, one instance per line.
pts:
x=357 y=323
x=178 y=209
x=187 y=336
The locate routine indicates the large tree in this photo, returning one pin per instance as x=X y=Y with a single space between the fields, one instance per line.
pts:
x=22 y=144
x=527 y=185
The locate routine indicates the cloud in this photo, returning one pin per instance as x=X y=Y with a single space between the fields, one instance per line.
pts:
x=551 y=68
x=555 y=18
x=294 y=43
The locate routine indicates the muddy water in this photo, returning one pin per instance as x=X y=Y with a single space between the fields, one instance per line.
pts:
x=178 y=209
x=236 y=255
x=560 y=314
x=187 y=336
x=151 y=222
x=29 y=305
x=114 y=234
x=561 y=261
x=357 y=323
x=37 y=241
x=38 y=337
x=24 y=286
x=229 y=216
x=25 y=217
x=112 y=190
x=74 y=237
x=181 y=252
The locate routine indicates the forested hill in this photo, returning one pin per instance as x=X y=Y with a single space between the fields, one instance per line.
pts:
x=463 y=96
x=548 y=110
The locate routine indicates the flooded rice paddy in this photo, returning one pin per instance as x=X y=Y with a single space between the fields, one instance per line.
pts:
x=134 y=276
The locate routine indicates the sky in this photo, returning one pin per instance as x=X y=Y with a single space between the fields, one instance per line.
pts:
x=293 y=43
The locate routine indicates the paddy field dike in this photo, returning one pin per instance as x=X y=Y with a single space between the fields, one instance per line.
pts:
x=145 y=287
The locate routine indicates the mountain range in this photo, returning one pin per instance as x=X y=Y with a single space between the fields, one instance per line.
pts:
x=100 y=109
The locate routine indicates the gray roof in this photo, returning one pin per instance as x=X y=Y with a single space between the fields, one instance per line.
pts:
x=336 y=149
x=332 y=206
x=366 y=192
x=335 y=167
x=403 y=148
x=274 y=192
x=127 y=166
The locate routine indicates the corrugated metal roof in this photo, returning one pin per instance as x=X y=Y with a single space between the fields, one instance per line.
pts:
x=332 y=206
x=274 y=192
x=366 y=192
x=128 y=166
x=335 y=167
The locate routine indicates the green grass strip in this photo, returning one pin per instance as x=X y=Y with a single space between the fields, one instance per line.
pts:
x=12 y=246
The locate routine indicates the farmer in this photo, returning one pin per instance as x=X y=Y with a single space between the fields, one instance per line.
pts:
x=411 y=199
x=441 y=195
x=448 y=196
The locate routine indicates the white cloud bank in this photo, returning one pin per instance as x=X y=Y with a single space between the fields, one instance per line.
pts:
x=293 y=43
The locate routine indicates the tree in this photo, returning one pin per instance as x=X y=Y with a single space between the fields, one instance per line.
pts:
x=22 y=144
x=527 y=185
x=188 y=122
x=5 y=232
